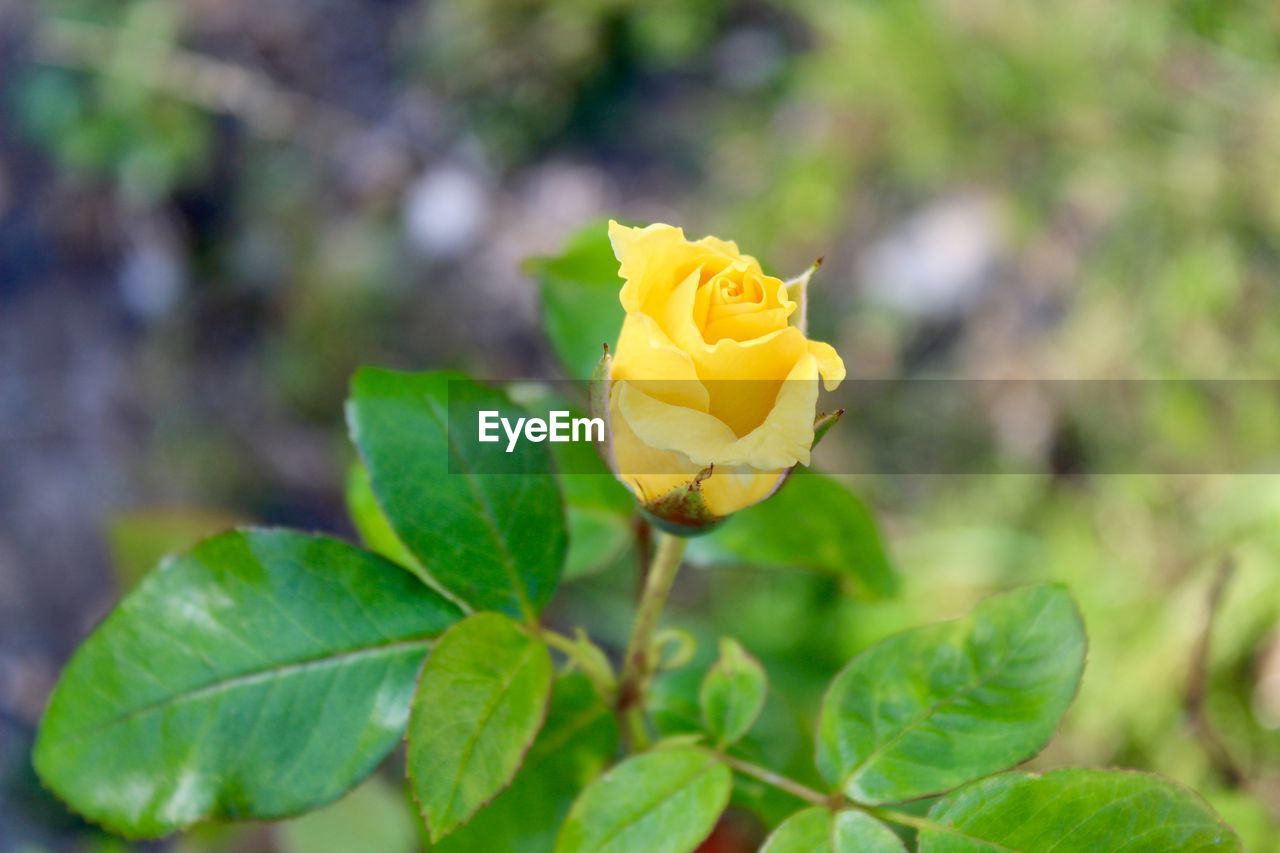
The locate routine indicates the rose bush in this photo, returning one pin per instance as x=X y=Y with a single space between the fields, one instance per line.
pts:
x=714 y=384
x=265 y=672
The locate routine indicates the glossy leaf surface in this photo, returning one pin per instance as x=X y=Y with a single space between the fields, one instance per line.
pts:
x=258 y=675
x=732 y=694
x=580 y=304
x=819 y=830
x=938 y=706
x=487 y=526
x=481 y=700
x=666 y=801
x=578 y=740
x=1075 y=811
x=814 y=523
x=371 y=523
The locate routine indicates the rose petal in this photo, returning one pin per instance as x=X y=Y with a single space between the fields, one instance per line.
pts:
x=742 y=377
x=830 y=364
x=780 y=441
x=647 y=471
x=732 y=489
x=669 y=374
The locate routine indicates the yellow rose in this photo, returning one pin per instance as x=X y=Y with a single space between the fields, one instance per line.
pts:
x=713 y=386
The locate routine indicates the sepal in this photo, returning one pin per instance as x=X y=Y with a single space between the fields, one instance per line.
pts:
x=823 y=423
x=798 y=292
x=598 y=391
x=683 y=510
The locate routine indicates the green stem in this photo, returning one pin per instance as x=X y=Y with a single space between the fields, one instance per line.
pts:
x=921 y=824
x=904 y=819
x=835 y=802
x=587 y=658
x=638 y=662
x=560 y=642
x=782 y=783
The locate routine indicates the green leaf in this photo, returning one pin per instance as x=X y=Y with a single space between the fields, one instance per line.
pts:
x=813 y=522
x=934 y=707
x=481 y=699
x=258 y=675
x=580 y=305
x=1074 y=811
x=666 y=801
x=732 y=694
x=374 y=529
x=488 y=527
x=819 y=830
x=577 y=742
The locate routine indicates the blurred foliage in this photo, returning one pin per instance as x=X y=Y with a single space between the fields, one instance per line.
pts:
x=112 y=122
x=555 y=65
x=1123 y=158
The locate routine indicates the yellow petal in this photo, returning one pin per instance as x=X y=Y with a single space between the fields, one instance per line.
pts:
x=729 y=490
x=743 y=377
x=654 y=260
x=650 y=473
x=647 y=355
x=724 y=247
x=696 y=435
x=783 y=438
x=830 y=364
x=786 y=435
x=676 y=315
x=647 y=471
x=745 y=325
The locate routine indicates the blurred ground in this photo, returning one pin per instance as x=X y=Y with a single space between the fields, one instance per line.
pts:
x=212 y=210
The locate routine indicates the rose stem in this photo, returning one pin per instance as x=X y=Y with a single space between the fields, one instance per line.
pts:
x=638 y=663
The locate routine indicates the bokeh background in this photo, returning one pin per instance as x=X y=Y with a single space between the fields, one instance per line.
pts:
x=211 y=211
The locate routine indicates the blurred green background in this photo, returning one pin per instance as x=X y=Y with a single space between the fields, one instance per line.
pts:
x=211 y=211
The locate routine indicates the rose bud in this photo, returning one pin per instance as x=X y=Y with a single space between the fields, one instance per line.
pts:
x=711 y=393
